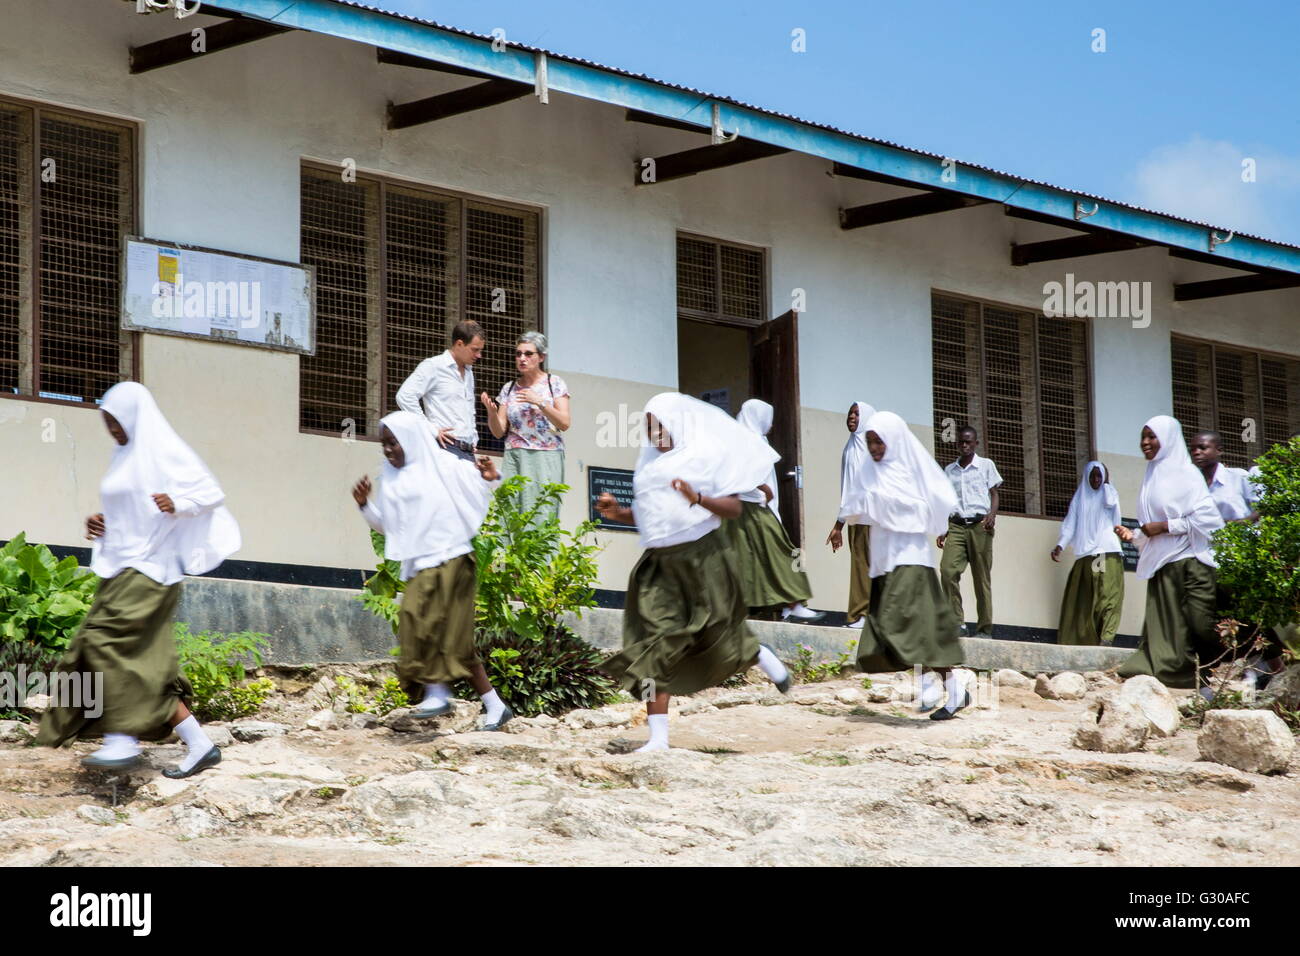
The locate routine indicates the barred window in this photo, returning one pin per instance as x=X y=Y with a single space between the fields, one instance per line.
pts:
x=1250 y=398
x=67 y=202
x=720 y=281
x=397 y=267
x=1021 y=379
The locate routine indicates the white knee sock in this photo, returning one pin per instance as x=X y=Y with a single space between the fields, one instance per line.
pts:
x=118 y=746
x=493 y=706
x=436 y=694
x=771 y=665
x=195 y=739
x=658 y=733
x=956 y=693
x=931 y=691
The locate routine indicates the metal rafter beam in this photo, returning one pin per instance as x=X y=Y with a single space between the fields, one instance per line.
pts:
x=1234 y=285
x=180 y=48
x=477 y=97
x=637 y=116
x=703 y=158
x=394 y=58
x=1071 y=247
x=907 y=207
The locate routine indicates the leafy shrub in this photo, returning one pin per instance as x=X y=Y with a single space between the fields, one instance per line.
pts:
x=808 y=671
x=531 y=572
x=552 y=674
x=42 y=603
x=216 y=664
x=1260 y=562
x=359 y=700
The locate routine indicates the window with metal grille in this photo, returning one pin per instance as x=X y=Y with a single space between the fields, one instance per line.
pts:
x=1021 y=380
x=1252 y=399
x=397 y=267
x=67 y=200
x=720 y=281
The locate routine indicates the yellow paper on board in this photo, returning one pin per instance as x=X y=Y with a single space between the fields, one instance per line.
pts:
x=167 y=267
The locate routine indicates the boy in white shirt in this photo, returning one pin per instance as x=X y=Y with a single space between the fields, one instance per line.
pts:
x=969 y=540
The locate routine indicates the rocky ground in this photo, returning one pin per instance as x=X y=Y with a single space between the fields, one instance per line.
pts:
x=833 y=774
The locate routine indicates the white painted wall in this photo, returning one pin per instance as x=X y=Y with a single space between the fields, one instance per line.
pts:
x=221 y=146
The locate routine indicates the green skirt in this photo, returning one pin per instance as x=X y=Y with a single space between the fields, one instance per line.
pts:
x=435 y=629
x=765 y=559
x=1179 y=625
x=1093 y=600
x=541 y=467
x=128 y=638
x=684 y=621
x=910 y=622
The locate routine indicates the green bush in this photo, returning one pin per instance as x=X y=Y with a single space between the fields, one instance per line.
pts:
x=42 y=603
x=1260 y=562
x=216 y=665
x=531 y=572
x=551 y=674
x=358 y=700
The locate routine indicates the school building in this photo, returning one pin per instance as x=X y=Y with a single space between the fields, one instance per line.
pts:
x=662 y=238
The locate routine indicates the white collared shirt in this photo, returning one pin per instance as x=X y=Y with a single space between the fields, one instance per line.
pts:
x=972 y=485
x=437 y=391
x=1232 y=493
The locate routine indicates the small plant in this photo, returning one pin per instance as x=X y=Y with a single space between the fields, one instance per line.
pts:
x=216 y=664
x=809 y=671
x=42 y=603
x=553 y=674
x=363 y=700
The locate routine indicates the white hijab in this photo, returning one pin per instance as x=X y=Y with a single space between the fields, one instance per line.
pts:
x=712 y=452
x=1172 y=489
x=853 y=468
x=906 y=491
x=435 y=502
x=756 y=415
x=153 y=461
x=1089 y=525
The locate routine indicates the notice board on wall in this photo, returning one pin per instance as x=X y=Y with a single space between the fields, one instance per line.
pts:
x=618 y=482
x=176 y=289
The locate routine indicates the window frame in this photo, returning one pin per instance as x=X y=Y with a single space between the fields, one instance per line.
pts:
x=719 y=318
x=1037 y=313
x=134 y=128
x=383 y=182
x=1215 y=345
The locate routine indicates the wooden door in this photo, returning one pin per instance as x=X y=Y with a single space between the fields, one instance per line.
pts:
x=774 y=377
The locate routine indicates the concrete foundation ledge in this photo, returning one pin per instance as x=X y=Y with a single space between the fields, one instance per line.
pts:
x=309 y=625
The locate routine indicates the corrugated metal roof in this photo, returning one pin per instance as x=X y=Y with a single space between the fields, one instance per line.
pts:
x=703 y=94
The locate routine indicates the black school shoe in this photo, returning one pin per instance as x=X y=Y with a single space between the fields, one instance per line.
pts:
x=783 y=685
x=943 y=713
x=505 y=717
x=111 y=763
x=209 y=759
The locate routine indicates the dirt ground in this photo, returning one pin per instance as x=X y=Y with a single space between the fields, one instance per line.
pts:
x=824 y=776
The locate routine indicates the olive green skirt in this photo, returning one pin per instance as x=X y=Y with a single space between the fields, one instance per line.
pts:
x=684 y=621
x=127 y=637
x=910 y=622
x=1093 y=599
x=435 y=629
x=765 y=559
x=1179 y=626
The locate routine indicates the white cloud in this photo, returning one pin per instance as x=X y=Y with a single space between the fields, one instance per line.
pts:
x=1201 y=179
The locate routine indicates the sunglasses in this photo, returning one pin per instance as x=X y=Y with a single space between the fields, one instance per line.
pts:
x=524 y=354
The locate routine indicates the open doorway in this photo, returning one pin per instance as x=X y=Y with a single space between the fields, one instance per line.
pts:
x=728 y=364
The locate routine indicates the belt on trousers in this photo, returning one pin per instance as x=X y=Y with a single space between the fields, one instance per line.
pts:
x=967 y=522
x=460 y=449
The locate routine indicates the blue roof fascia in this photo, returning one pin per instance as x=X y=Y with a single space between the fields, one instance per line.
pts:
x=579 y=79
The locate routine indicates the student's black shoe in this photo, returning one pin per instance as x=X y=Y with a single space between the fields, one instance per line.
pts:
x=943 y=713
x=501 y=722
x=209 y=759
x=439 y=710
x=94 y=762
x=782 y=685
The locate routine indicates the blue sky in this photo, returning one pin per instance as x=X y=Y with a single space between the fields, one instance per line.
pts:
x=1163 y=118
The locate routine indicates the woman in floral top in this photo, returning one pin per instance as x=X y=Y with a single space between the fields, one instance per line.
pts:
x=530 y=413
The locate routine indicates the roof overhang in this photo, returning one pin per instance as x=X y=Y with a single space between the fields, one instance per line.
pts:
x=688 y=109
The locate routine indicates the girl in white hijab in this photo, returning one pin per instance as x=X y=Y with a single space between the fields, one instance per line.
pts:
x=1094 y=592
x=906 y=499
x=853 y=466
x=1178 y=515
x=684 y=618
x=163 y=518
x=768 y=561
x=429 y=507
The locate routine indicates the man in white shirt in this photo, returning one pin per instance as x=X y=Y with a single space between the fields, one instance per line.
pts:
x=1230 y=487
x=969 y=540
x=442 y=390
